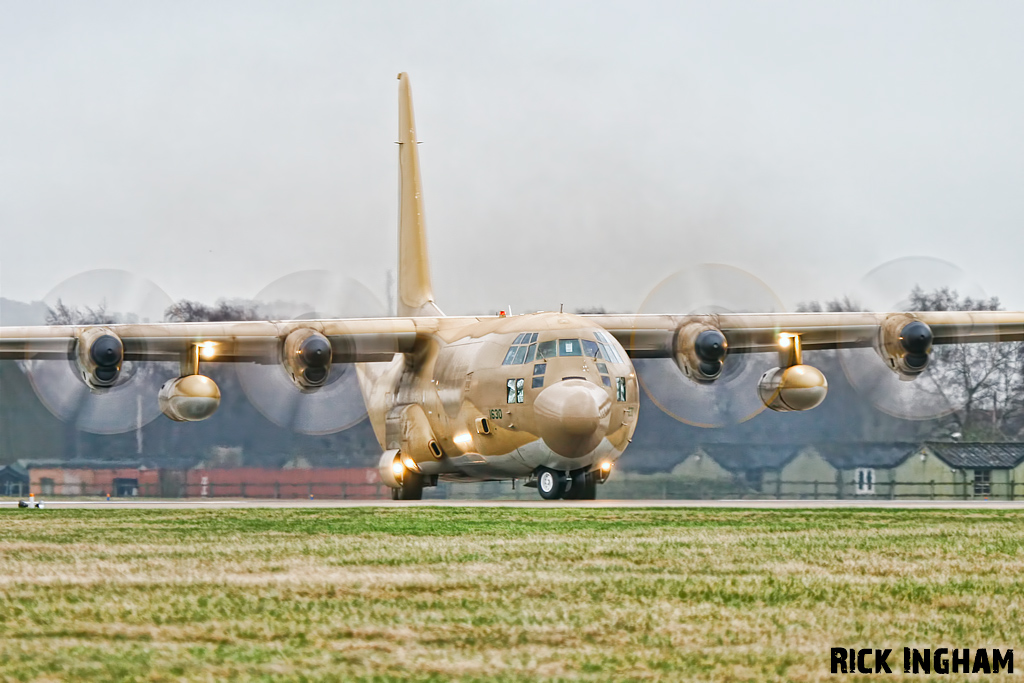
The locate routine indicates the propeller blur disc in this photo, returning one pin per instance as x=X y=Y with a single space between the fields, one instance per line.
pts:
x=709 y=288
x=102 y=297
x=905 y=284
x=338 y=405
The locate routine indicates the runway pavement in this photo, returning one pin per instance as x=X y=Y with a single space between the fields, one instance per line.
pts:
x=217 y=503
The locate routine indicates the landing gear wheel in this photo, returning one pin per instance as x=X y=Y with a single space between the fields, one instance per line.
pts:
x=584 y=487
x=550 y=483
x=411 y=489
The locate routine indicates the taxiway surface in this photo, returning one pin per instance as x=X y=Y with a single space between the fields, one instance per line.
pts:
x=212 y=503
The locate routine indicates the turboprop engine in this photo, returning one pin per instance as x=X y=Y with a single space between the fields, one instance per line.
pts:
x=307 y=357
x=99 y=356
x=700 y=352
x=905 y=344
x=190 y=398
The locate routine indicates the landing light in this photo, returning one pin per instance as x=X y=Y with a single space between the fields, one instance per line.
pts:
x=462 y=438
x=208 y=349
x=606 y=467
x=784 y=340
x=410 y=463
x=397 y=467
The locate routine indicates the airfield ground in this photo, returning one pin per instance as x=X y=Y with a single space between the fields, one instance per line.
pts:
x=483 y=593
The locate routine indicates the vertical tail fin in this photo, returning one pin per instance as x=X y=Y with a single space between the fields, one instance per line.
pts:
x=415 y=292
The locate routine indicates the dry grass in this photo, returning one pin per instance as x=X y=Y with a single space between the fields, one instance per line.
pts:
x=495 y=594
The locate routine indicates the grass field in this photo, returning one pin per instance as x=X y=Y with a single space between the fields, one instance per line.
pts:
x=496 y=594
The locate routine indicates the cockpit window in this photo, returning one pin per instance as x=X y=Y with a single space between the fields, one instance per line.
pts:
x=546 y=349
x=520 y=355
x=540 y=368
x=530 y=353
x=608 y=350
x=569 y=347
x=523 y=349
x=590 y=349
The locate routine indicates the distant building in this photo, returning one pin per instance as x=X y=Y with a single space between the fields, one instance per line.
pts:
x=13 y=480
x=865 y=470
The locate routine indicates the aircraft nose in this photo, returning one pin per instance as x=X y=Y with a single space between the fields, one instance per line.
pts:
x=572 y=416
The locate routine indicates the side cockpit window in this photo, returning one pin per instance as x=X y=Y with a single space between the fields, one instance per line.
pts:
x=607 y=348
x=538 y=375
x=516 y=393
x=523 y=349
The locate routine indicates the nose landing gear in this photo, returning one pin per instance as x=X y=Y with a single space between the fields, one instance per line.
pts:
x=578 y=485
x=550 y=483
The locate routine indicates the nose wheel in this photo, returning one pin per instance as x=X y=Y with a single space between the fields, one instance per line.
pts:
x=579 y=485
x=550 y=483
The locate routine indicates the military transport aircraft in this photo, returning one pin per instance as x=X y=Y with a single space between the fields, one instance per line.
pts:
x=550 y=398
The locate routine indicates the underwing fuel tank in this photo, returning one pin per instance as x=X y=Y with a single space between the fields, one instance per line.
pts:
x=793 y=389
x=190 y=398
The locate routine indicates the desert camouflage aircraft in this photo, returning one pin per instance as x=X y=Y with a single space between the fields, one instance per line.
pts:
x=550 y=398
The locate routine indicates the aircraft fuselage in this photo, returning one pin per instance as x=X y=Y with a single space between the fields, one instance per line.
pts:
x=500 y=398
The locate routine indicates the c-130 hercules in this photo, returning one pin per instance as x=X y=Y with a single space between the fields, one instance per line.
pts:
x=550 y=398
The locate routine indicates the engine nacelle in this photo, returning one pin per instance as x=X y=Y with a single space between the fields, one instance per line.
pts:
x=905 y=344
x=700 y=352
x=99 y=355
x=307 y=357
x=796 y=388
x=190 y=398
x=391 y=469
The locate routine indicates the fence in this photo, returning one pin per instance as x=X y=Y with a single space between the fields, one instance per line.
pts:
x=674 y=488
x=240 y=489
x=647 y=487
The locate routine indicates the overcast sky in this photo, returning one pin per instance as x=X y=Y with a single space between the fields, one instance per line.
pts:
x=573 y=153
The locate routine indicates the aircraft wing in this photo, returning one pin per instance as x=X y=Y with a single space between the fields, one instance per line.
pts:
x=352 y=340
x=655 y=336
x=378 y=339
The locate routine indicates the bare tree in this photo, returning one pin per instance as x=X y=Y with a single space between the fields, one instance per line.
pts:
x=186 y=311
x=62 y=314
x=984 y=383
x=844 y=305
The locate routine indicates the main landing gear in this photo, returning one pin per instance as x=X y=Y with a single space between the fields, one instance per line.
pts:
x=411 y=487
x=579 y=485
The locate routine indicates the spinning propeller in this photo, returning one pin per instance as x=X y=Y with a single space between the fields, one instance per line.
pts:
x=708 y=289
x=312 y=394
x=123 y=399
x=932 y=392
